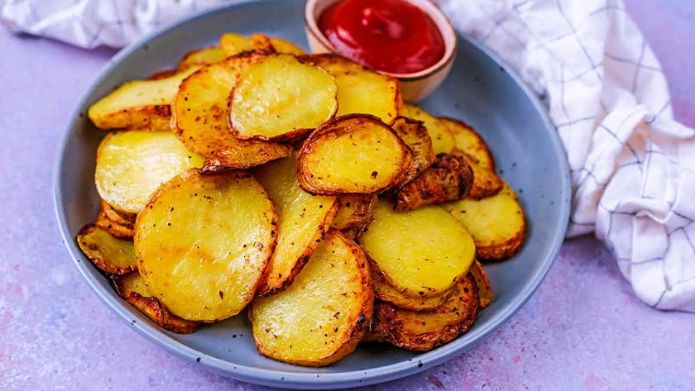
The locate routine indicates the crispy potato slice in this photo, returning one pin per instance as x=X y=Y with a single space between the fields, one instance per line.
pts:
x=322 y=316
x=360 y=90
x=352 y=154
x=132 y=289
x=123 y=218
x=467 y=140
x=118 y=224
x=422 y=331
x=385 y=292
x=421 y=253
x=163 y=74
x=280 y=98
x=282 y=46
x=483 y=284
x=203 y=243
x=442 y=139
x=355 y=211
x=203 y=56
x=303 y=218
x=131 y=165
x=486 y=183
x=232 y=43
x=449 y=179
x=415 y=135
x=111 y=255
x=200 y=118
x=138 y=104
x=497 y=224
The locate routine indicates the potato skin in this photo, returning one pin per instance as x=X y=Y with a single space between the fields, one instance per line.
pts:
x=483 y=284
x=449 y=179
x=337 y=127
x=502 y=251
x=486 y=183
x=476 y=146
x=416 y=136
x=355 y=211
x=387 y=293
x=105 y=220
x=410 y=329
x=152 y=117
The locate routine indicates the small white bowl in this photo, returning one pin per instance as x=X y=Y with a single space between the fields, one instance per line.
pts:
x=414 y=86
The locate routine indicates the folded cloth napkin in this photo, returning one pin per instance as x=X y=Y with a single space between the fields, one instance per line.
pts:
x=632 y=165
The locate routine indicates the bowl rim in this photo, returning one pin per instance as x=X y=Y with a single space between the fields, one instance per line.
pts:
x=300 y=380
x=431 y=8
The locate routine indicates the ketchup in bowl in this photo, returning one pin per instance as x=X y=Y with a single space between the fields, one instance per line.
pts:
x=393 y=36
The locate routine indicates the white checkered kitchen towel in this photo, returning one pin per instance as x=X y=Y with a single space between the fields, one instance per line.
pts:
x=632 y=164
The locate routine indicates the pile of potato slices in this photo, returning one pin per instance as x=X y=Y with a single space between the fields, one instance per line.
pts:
x=300 y=189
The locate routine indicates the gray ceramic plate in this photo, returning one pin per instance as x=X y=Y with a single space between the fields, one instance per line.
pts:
x=480 y=91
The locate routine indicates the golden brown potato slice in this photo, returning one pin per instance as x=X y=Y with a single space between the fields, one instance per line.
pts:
x=467 y=140
x=131 y=165
x=303 y=219
x=422 y=331
x=163 y=74
x=123 y=218
x=111 y=255
x=118 y=224
x=282 y=46
x=415 y=135
x=203 y=56
x=138 y=104
x=448 y=179
x=421 y=253
x=483 y=284
x=232 y=43
x=486 y=183
x=200 y=118
x=282 y=99
x=355 y=211
x=204 y=241
x=132 y=289
x=322 y=316
x=385 y=292
x=360 y=90
x=442 y=139
x=497 y=224
x=352 y=154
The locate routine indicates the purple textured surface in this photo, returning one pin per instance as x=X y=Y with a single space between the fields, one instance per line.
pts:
x=583 y=329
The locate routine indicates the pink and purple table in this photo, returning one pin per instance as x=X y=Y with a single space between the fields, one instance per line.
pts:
x=582 y=330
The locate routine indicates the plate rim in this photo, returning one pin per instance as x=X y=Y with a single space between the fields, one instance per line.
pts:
x=270 y=377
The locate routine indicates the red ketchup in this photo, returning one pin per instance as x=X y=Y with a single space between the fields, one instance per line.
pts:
x=389 y=35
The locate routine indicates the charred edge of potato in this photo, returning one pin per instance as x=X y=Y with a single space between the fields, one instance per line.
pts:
x=387 y=326
x=163 y=74
x=453 y=122
x=156 y=311
x=291 y=137
x=330 y=127
x=448 y=179
x=361 y=214
x=116 y=230
x=387 y=293
x=483 y=284
x=415 y=135
x=486 y=183
x=501 y=251
x=94 y=254
x=218 y=163
x=263 y=291
x=152 y=117
x=123 y=218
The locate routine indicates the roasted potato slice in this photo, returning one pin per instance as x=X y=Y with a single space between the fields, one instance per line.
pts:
x=497 y=224
x=118 y=224
x=163 y=74
x=442 y=139
x=483 y=284
x=322 y=316
x=127 y=219
x=203 y=243
x=421 y=253
x=138 y=104
x=200 y=118
x=360 y=90
x=385 y=292
x=280 y=98
x=303 y=218
x=232 y=43
x=131 y=165
x=352 y=154
x=108 y=253
x=203 y=56
x=282 y=46
x=132 y=289
x=422 y=331
x=355 y=211
x=415 y=135
x=449 y=179
x=486 y=183
x=467 y=140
